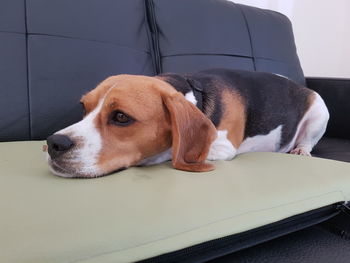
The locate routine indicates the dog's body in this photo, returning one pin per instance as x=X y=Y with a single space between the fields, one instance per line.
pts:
x=220 y=113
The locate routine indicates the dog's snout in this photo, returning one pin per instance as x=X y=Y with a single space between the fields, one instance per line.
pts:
x=58 y=144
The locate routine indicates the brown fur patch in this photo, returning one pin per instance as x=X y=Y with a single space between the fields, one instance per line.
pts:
x=192 y=133
x=233 y=117
x=91 y=99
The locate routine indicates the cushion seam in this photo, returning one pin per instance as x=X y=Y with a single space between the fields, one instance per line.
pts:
x=90 y=40
x=249 y=33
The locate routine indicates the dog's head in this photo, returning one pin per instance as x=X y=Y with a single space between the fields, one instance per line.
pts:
x=127 y=120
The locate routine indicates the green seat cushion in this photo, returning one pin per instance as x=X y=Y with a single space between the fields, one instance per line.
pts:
x=147 y=211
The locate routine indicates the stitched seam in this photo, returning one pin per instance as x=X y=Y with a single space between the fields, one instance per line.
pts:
x=149 y=30
x=223 y=54
x=12 y=32
x=154 y=33
x=211 y=223
x=91 y=40
x=250 y=36
x=231 y=55
x=27 y=71
x=206 y=54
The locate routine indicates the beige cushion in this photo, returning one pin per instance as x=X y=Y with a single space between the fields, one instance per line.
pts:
x=144 y=212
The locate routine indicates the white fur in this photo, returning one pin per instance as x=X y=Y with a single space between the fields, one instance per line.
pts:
x=281 y=75
x=191 y=98
x=68 y=175
x=311 y=127
x=85 y=130
x=262 y=143
x=309 y=131
x=221 y=148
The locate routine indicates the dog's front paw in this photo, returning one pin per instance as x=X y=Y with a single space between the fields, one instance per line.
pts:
x=221 y=148
x=300 y=151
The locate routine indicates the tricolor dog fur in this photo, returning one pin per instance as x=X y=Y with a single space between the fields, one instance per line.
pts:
x=215 y=114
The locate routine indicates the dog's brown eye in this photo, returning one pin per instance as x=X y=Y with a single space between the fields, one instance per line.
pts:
x=120 y=118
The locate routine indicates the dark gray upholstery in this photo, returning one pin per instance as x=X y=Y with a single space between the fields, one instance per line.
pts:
x=255 y=39
x=272 y=43
x=72 y=47
x=14 y=115
x=68 y=47
x=12 y=16
x=205 y=42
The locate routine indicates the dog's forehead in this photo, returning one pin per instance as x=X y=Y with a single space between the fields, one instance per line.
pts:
x=135 y=99
x=127 y=90
x=122 y=84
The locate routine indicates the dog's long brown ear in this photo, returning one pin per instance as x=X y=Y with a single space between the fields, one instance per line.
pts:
x=192 y=134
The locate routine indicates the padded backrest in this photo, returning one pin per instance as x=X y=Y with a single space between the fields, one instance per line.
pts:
x=52 y=52
x=197 y=34
x=72 y=46
x=14 y=115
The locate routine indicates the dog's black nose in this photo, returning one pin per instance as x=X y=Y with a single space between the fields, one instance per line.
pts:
x=58 y=144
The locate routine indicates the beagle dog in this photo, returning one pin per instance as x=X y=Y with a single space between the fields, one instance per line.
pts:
x=214 y=114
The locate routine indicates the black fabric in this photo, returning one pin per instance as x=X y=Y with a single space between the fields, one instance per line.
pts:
x=332 y=148
x=319 y=243
x=336 y=94
x=339 y=225
x=223 y=246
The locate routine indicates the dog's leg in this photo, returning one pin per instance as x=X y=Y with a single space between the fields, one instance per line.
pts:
x=313 y=127
x=221 y=148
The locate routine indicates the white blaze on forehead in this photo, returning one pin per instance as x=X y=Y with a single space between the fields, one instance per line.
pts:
x=86 y=131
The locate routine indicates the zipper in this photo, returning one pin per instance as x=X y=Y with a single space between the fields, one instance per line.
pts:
x=226 y=245
x=344 y=208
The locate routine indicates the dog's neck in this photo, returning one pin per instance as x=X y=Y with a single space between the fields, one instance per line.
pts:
x=192 y=89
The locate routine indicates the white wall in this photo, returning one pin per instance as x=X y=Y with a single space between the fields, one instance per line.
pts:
x=321 y=30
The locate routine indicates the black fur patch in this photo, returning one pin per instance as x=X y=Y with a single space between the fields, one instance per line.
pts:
x=270 y=100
